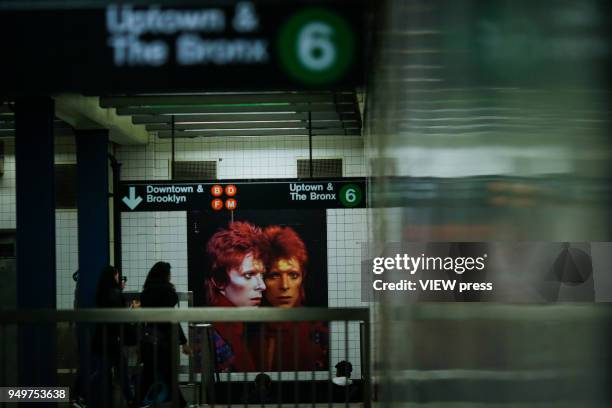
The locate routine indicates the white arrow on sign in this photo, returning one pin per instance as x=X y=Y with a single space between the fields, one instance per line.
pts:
x=132 y=201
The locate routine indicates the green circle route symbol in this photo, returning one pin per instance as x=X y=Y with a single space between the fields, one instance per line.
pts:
x=316 y=46
x=350 y=195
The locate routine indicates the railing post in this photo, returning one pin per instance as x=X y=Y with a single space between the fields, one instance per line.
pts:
x=365 y=364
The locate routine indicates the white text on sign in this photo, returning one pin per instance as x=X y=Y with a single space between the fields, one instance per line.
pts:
x=311 y=192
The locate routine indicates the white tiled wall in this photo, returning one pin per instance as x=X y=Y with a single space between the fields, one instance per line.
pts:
x=346 y=232
x=7 y=187
x=66 y=233
x=67 y=256
x=240 y=158
x=65 y=220
x=149 y=237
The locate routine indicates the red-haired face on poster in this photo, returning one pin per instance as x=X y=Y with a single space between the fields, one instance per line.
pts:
x=236 y=279
x=284 y=279
x=247 y=265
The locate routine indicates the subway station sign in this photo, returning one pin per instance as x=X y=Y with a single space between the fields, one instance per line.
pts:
x=231 y=196
x=172 y=46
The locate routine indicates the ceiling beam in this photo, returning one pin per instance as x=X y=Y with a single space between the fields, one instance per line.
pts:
x=253 y=125
x=337 y=132
x=209 y=109
x=258 y=132
x=225 y=98
x=224 y=133
x=246 y=117
x=84 y=112
x=219 y=126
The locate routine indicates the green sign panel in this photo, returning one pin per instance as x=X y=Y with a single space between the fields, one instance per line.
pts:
x=350 y=195
x=316 y=46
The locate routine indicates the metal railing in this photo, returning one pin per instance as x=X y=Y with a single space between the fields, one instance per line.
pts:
x=108 y=318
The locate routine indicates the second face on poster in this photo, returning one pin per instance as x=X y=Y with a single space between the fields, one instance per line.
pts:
x=262 y=259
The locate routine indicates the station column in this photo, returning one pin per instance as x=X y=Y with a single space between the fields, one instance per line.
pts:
x=93 y=217
x=35 y=185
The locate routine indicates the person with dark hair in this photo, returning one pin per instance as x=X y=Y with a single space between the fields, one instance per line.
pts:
x=342 y=386
x=110 y=360
x=261 y=393
x=343 y=373
x=156 y=351
x=236 y=256
x=290 y=345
